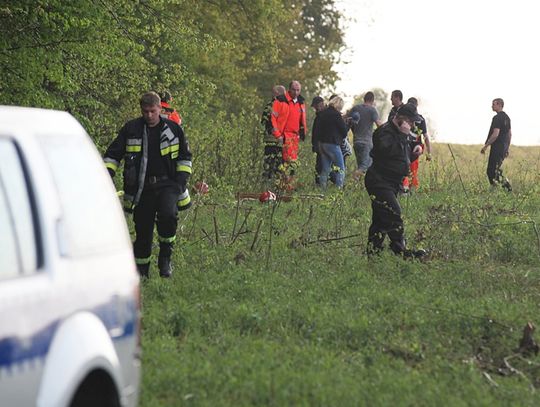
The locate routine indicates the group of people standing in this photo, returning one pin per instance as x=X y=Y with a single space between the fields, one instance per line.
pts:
x=386 y=153
x=284 y=119
x=157 y=161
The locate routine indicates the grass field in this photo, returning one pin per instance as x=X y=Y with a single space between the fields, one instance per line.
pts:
x=277 y=305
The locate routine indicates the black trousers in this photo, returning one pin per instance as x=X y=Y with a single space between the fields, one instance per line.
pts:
x=496 y=158
x=272 y=160
x=318 y=167
x=158 y=205
x=385 y=220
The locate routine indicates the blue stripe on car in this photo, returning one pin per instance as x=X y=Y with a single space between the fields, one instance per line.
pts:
x=15 y=350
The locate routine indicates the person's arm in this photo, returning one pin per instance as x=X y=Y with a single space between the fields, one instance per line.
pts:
x=278 y=118
x=491 y=139
x=425 y=137
x=183 y=162
x=507 y=152
x=428 y=147
x=376 y=118
x=303 y=122
x=341 y=126
x=115 y=152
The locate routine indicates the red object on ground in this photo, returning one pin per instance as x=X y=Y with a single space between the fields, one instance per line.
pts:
x=267 y=196
x=201 y=187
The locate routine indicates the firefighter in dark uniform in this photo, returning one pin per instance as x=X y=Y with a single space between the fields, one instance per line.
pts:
x=393 y=150
x=157 y=166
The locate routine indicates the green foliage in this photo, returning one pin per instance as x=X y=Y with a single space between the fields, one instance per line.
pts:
x=218 y=59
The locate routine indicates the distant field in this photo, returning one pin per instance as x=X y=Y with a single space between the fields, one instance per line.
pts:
x=277 y=305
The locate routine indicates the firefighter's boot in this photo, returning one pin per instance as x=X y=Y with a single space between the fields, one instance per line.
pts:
x=143 y=270
x=165 y=267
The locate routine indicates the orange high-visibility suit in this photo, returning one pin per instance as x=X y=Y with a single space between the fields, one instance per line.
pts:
x=289 y=124
x=170 y=113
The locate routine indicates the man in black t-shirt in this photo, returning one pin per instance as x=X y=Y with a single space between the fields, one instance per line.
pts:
x=397 y=101
x=499 y=138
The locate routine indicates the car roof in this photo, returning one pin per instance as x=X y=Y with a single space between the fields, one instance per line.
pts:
x=38 y=121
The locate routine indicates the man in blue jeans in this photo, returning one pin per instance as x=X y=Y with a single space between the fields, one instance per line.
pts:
x=363 y=133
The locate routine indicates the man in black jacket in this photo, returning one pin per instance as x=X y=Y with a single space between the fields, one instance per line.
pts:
x=393 y=150
x=157 y=166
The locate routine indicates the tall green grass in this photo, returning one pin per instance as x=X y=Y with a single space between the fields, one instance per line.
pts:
x=276 y=304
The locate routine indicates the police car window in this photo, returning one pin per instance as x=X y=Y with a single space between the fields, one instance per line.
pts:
x=18 y=250
x=90 y=214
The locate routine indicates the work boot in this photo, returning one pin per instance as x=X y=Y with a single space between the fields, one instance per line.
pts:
x=143 y=270
x=414 y=254
x=506 y=185
x=165 y=267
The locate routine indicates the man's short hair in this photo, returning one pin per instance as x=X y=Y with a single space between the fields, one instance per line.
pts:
x=397 y=93
x=337 y=103
x=499 y=101
x=369 y=97
x=413 y=101
x=279 y=90
x=292 y=82
x=165 y=96
x=150 y=99
x=316 y=100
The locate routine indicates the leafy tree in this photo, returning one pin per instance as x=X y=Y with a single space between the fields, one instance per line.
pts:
x=218 y=58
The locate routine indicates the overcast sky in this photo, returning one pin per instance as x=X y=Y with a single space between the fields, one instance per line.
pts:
x=454 y=56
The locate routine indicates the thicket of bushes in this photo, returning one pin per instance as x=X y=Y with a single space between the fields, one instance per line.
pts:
x=218 y=59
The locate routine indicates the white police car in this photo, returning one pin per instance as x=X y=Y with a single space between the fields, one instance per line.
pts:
x=69 y=290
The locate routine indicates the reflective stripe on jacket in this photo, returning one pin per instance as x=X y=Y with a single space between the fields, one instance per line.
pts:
x=168 y=112
x=131 y=145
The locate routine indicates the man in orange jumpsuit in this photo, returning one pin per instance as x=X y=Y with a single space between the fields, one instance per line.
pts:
x=167 y=111
x=289 y=121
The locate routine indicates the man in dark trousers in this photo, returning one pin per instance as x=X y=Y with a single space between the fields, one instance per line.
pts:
x=272 y=147
x=157 y=166
x=393 y=150
x=318 y=105
x=499 y=138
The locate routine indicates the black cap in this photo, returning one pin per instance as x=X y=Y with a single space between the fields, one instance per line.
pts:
x=409 y=110
x=316 y=100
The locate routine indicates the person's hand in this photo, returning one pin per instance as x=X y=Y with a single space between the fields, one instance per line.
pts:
x=428 y=157
x=483 y=150
x=506 y=153
x=418 y=150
